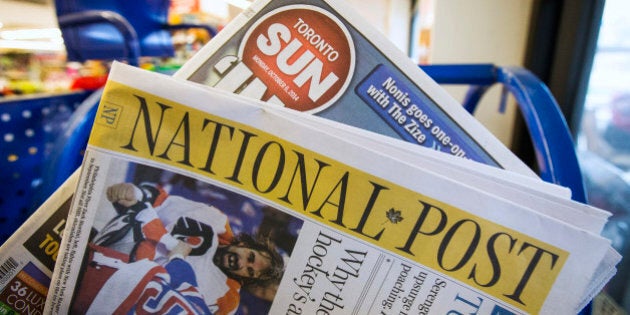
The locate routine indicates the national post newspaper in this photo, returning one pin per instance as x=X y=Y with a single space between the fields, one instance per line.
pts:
x=370 y=235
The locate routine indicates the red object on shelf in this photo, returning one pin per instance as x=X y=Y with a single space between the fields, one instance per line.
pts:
x=89 y=83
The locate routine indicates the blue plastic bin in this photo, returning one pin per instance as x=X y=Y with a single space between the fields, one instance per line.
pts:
x=29 y=126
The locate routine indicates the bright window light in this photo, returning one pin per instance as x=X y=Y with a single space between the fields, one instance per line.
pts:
x=32 y=45
x=242 y=4
x=26 y=34
x=44 y=39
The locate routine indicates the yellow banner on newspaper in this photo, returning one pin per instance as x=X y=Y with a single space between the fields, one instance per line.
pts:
x=509 y=265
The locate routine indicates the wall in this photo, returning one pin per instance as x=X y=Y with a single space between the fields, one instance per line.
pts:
x=27 y=14
x=483 y=31
x=464 y=31
x=391 y=17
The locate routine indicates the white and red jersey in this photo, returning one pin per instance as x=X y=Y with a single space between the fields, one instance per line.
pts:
x=157 y=222
x=221 y=292
x=144 y=287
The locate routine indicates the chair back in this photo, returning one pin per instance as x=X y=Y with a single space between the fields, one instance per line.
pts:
x=104 y=29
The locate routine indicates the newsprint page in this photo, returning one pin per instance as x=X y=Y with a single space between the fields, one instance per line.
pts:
x=321 y=58
x=195 y=200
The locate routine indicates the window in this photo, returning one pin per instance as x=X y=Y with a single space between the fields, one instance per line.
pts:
x=603 y=140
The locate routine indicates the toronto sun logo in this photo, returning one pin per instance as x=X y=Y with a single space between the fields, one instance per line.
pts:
x=300 y=56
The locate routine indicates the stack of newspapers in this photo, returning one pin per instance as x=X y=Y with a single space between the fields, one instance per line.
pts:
x=300 y=164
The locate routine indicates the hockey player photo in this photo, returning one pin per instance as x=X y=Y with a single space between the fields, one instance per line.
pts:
x=175 y=245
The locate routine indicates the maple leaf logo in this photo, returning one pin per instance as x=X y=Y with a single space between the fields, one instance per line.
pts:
x=393 y=215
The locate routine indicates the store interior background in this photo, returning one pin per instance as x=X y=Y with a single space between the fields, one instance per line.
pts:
x=32 y=61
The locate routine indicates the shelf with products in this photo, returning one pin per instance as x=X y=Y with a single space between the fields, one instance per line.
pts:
x=26 y=73
x=31 y=72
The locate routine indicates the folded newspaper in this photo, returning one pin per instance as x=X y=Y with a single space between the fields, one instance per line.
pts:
x=382 y=92
x=196 y=200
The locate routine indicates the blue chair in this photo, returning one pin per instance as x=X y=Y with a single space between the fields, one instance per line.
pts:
x=118 y=29
x=557 y=160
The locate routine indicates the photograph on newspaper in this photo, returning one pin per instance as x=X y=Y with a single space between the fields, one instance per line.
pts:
x=322 y=58
x=163 y=242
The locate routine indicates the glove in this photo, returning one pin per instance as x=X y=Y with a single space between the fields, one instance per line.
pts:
x=196 y=234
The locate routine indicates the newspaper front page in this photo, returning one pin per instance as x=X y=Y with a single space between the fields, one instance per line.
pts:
x=183 y=188
x=320 y=57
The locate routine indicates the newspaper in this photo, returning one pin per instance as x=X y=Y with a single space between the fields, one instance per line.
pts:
x=503 y=183
x=321 y=57
x=27 y=258
x=22 y=255
x=356 y=230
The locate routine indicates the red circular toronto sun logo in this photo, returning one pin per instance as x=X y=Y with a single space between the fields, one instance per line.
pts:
x=304 y=55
